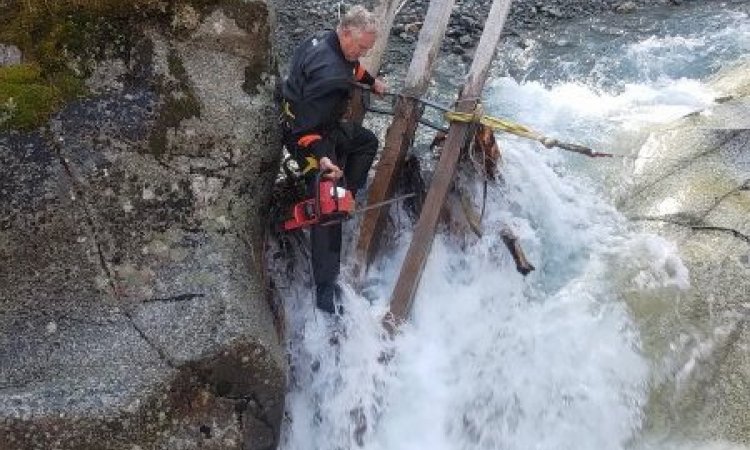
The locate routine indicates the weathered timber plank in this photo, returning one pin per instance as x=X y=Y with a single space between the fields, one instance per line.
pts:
x=386 y=12
x=424 y=232
x=400 y=134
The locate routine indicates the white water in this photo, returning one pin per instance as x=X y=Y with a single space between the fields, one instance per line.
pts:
x=490 y=359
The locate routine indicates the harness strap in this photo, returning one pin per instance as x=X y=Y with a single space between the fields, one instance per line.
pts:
x=310 y=164
x=287 y=109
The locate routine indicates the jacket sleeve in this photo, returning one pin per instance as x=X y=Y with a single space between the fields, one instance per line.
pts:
x=362 y=75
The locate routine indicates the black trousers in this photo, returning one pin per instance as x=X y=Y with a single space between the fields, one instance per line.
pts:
x=355 y=148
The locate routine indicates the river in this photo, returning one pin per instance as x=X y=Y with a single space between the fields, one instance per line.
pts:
x=558 y=359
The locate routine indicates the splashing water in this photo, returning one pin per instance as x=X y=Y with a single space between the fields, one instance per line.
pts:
x=493 y=360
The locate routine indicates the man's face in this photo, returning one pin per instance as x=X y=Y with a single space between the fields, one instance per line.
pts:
x=356 y=43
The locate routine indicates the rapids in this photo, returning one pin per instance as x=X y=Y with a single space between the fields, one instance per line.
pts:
x=559 y=359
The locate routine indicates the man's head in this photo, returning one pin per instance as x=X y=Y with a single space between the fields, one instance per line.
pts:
x=357 y=32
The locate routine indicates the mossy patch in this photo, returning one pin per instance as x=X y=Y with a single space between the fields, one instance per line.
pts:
x=180 y=104
x=65 y=39
x=27 y=98
x=60 y=41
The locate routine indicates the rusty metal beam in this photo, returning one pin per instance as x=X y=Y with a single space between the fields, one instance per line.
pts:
x=424 y=232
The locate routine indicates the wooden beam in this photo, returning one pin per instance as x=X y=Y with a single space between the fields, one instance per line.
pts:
x=400 y=134
x=424 y=232
x=386 y=13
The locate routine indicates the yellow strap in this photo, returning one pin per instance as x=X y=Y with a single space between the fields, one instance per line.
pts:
x=498 y=124
x=495 y=123
x=310 y=164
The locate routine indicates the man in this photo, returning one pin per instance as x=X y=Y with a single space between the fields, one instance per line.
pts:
x=315 y=98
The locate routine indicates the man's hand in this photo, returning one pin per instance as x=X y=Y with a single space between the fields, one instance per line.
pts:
x=329 y=169
x=379 y=87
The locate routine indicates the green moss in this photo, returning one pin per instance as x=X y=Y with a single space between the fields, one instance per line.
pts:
x=64 y=39
x=176 y=69
x=27 y=98
x=60 y=41
x=181 y=104
x=22 y=73
x=67 y=85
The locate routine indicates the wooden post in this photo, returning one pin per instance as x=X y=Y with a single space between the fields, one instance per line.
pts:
x=424 y=232
x=386 y=12
x=400 y=134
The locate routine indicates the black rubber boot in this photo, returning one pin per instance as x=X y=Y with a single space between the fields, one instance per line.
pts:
x=328 y=298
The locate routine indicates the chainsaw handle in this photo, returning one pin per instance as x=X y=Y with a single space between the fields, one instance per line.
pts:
x=331 y=167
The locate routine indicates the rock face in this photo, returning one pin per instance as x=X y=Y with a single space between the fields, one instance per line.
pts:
x=699 y=197
x=134 y=309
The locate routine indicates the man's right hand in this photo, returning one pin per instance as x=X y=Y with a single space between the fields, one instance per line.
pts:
x=379 y=87
x=329 y=169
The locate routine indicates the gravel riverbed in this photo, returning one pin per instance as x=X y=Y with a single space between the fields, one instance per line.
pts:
x=296 y=19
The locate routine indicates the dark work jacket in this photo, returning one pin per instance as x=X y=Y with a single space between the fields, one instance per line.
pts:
x=319 y=85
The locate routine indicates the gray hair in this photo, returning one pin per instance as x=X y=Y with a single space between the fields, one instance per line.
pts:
x=359 y=18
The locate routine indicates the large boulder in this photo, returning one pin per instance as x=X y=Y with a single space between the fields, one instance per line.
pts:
x=693 y=186
x=134 y=309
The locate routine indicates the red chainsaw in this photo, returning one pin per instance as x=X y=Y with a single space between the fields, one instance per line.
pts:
x=330 y=204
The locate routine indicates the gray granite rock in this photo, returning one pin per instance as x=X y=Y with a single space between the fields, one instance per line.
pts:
x=134 y=308
x=10 y=55
x=699 y=198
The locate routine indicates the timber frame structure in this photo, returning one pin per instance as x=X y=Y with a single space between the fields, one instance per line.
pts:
x=400 y=135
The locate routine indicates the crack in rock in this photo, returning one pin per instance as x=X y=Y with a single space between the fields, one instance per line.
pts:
x=102 y=260
x=173 y=299
x=694 y=224
x=686 y=163
x=742 y=187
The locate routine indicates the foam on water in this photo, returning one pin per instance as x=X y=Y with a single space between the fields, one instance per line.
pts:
x=490 y=359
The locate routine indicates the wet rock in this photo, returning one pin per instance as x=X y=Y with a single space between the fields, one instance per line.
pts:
x=698 y=198
x=413 y=27
x=9 y=55
x=407 y=37
x=553 y=11
x=468 y=17
x=626 y=7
